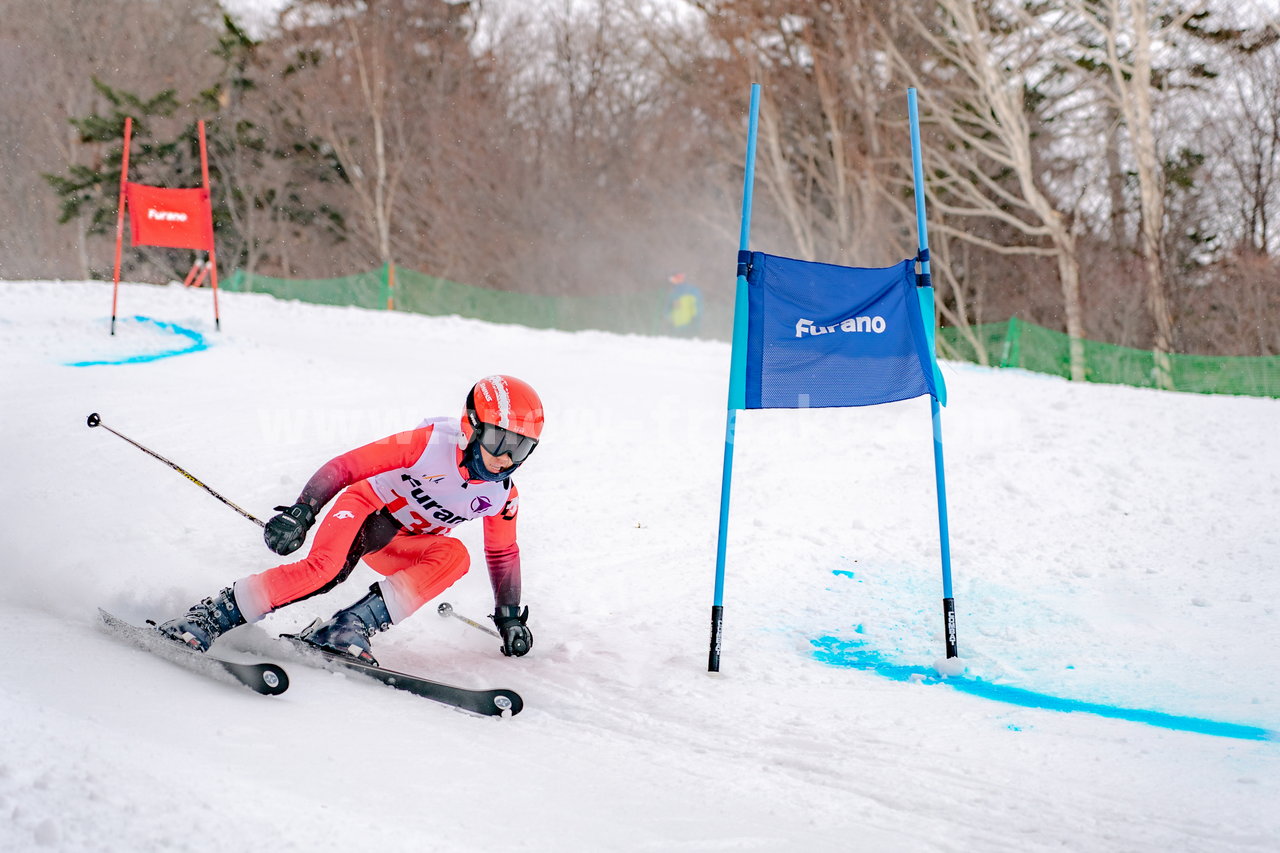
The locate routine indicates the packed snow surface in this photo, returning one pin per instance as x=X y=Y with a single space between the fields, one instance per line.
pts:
x=1116 y=566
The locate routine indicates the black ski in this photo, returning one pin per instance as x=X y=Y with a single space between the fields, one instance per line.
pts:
x=265 y=678
x=493 y=703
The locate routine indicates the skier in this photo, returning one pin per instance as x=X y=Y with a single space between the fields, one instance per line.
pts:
x=403 y=495
x=684 y=306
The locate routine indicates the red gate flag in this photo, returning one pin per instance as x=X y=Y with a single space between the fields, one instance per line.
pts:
x=178 y=218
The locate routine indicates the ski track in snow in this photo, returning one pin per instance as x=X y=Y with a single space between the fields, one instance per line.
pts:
x=1112 y=546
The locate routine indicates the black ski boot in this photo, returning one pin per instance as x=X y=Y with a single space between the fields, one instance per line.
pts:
x=348 y=632
x=205 y=621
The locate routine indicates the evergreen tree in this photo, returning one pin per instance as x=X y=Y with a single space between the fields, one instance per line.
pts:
x=261 y=164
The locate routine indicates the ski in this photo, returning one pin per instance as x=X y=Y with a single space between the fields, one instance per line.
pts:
x=492 y=703
x=265 y=678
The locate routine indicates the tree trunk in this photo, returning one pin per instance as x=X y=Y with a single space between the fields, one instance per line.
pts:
x=998 y=139
x=1137 y=99
x=1069 y=275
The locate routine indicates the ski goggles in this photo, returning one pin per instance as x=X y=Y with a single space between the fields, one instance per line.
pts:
x=499 y=441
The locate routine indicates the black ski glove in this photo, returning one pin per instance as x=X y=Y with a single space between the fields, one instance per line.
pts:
x=517 y=639
x=286 y=532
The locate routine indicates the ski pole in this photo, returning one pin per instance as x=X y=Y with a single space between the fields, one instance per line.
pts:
x=95 y=421
x=446 y=609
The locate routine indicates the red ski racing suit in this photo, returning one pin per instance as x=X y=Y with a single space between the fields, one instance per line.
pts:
x=403 y=495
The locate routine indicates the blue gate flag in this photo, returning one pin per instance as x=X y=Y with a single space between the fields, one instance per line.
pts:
x=821 y=335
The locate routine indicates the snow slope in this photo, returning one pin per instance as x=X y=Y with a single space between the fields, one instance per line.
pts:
x=1115 y=558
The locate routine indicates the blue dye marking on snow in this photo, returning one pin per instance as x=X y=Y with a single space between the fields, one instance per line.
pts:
x=855 y=655
x=197 y=344
x=842 y=573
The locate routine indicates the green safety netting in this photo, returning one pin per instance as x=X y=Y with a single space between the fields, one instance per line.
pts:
x=364 y=290
x=642 y=312
x=1017 y=343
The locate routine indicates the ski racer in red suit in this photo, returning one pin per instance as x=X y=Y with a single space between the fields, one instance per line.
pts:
x=400 y=498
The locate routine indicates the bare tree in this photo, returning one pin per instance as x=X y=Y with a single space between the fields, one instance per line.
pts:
x=1127 y=35
x=610 y=180
x=823 y=148
x=361 y=80
x=264 y=160
x=1244 y=127
x=988 y=61
x=52 y=50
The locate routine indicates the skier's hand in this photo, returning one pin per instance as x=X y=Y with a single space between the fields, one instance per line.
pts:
x=286 y=532
x=517 y=639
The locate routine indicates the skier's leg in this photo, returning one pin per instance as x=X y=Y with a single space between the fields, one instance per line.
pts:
x=205 y=621
x=346 y=533
x=348 y=631
x=417 y=568
x=350 y=529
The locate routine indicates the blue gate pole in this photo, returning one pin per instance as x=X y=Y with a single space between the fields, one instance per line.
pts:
x=737 y=380
x=944 y=532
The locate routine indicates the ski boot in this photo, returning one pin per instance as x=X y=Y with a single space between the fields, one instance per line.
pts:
x=205 y=621
x=349 y=630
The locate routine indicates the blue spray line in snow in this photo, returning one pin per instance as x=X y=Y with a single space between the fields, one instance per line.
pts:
x=854 y=653
x=197 y=344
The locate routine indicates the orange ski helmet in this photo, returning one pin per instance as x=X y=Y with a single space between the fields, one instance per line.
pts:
x=504 y=415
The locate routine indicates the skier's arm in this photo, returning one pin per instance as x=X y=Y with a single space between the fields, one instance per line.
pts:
x=285 y=532
x=502 y=554
x=395 y=451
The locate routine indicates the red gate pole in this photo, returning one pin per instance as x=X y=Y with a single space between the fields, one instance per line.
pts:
x=213 y=257
x=191 y=273
x=204 y=273
x=124 y=178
